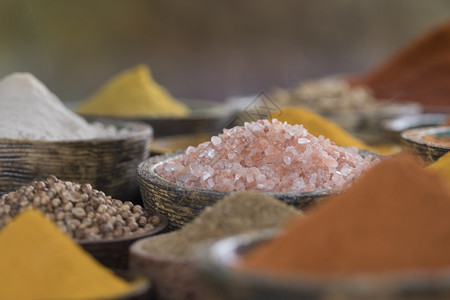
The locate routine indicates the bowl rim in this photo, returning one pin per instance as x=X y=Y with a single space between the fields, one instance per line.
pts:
x=392 y=124
x=164 y=222
x=416 y=135
x=137 y=130
x=224 y=262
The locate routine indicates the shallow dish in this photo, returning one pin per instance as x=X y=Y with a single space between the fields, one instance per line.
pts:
x=114 y=253
x=392 y=128
x=171 y=278
x=181 y=204
x=420 y=141
x=216 y=266
x=109 y=164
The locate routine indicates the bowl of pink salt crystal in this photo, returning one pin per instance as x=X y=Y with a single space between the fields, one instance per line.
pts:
x=276 y=158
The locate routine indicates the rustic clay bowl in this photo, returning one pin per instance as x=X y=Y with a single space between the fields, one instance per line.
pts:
x=416 y=141
x=181 y=205
x=107 y=164
x=393 y=127
x=222 y=280
x=172 y=278
x=114 y=253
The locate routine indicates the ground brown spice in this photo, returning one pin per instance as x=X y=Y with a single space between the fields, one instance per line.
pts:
x=420 y=72
x=396 y=217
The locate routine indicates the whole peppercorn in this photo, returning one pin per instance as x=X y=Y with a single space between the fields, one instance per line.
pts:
x=79 y=210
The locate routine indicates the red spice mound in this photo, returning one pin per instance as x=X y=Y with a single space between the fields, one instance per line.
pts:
x=396 y=217
x=420 y=72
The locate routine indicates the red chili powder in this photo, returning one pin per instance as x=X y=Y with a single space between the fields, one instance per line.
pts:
x=396 y=217
x=420 y=72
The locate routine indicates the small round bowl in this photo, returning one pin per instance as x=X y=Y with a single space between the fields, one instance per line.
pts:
x=392 y=128
x=172 y=278
x=114 y=253
x=181 y=205
x=418 y=141
x=223 y=280
x=107 y=164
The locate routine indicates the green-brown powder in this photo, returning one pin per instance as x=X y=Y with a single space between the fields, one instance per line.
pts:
x=234 y=214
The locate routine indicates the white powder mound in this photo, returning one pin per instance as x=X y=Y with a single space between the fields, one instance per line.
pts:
x=28 y=110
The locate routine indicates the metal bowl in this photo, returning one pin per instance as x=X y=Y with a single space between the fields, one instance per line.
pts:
x=416 y=141
x=392 y=128
x=204 y=118
x=217 y=268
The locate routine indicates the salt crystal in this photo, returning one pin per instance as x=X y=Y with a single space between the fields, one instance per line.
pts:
x=303 y=141
x=265 y=156
x=287 y=160
x=190 y=150
x=210 y=183
x=216 y=140
x=211 y=153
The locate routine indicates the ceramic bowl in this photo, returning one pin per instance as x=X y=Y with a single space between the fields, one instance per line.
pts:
x=217 y=269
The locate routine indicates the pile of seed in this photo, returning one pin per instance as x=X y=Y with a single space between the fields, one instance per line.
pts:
x=79 y=210
x=237 y=213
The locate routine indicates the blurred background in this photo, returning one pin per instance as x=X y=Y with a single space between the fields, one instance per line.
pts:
x=203 y=49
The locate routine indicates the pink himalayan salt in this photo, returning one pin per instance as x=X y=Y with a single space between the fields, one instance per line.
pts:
x=268 y=157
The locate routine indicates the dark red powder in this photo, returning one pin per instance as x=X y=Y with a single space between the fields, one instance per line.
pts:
x=420 y=72
x=396 y=217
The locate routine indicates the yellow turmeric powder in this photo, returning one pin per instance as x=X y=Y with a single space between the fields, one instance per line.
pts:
x=38 y=261
x=318 y=125
x=133 y=93
x=442 y=166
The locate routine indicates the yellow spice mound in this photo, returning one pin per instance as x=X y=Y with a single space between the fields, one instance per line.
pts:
x=133 y=93
x=318 y=125
x=38 y=261
x=442 y=166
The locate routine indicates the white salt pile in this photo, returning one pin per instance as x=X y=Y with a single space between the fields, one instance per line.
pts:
x=269 y=157
x=28 y=110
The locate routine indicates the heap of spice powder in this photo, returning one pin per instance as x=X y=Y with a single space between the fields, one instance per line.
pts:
x=420 y=72
x=29 y=110
x=318 y=125
x=394 y=218
x=234 y=214
x=38 y=261
x=269 y=157
x=133 y=93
